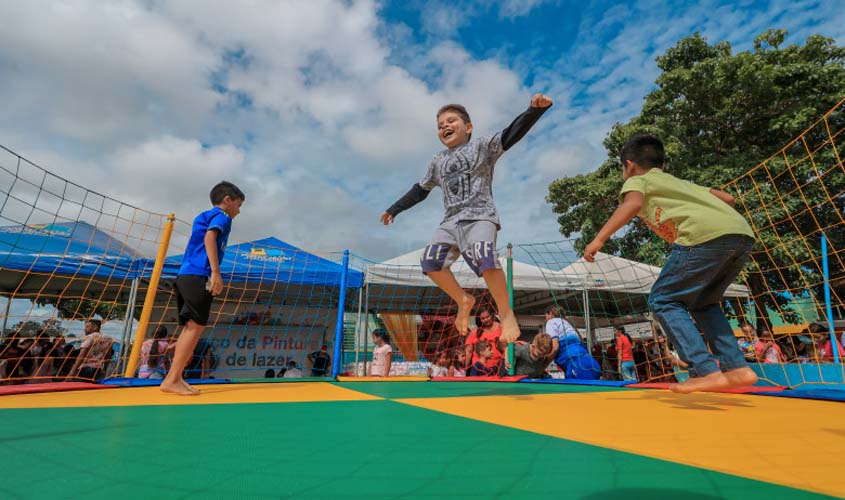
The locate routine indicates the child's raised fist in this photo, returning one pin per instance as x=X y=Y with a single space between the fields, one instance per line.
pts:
x=541 y=101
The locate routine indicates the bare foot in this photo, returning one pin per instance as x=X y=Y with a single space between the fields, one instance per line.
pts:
x=190 y=387
x=510 y=328
x=741 y=377
x=465 y=306
x=182 y=389
x=715 y=381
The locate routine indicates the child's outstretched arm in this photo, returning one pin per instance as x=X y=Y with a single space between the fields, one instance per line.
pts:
x=623 y=214
x=523 y=123
x=411 y=198
x=726 y=197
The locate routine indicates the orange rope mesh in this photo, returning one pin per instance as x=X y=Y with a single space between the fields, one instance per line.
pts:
x=68 y=253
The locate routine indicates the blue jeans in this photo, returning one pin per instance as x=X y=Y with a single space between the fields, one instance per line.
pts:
x=686 y=300
x=629 y=371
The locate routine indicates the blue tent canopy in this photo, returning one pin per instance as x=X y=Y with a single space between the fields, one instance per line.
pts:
x=272 y=260
x=68 y=249
x=80 y=249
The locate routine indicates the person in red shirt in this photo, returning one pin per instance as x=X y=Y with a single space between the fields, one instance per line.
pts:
x=766 y=349
x=625 y=355
x=490 y=330
x=824 y=345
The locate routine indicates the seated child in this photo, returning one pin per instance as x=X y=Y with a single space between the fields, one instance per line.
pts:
x=480 y=368
x=441 y=367
x=531 y=359
x=458 y=363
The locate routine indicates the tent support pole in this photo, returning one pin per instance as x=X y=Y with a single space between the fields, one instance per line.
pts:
x=358 y=325
x=6 y=316
x=366 y=328
x=586 y=298
x=127 y=324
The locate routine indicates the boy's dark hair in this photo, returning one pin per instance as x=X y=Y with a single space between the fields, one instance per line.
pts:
x=645 y=150
x=553 y=310
x=487 y=310
x=224 y=189
x=456 y=108
x=382 y=334
x=481 y=345
x=96 y=323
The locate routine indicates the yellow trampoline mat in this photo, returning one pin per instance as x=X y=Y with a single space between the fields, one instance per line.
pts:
x=798 y=443
x=211 y=394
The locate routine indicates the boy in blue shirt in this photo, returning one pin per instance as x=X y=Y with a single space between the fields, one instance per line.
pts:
x=464 y=172
x=199 y=279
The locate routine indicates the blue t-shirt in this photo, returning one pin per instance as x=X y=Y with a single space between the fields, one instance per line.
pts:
x=479 y=369
x=195 y=261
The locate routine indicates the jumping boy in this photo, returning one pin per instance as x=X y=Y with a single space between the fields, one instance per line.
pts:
x=199 y=279
x=710 y=244
x=464 y=171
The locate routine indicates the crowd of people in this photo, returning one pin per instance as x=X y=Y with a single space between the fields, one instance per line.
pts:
x=44 y=359
x=319 y=361
x=558 y=350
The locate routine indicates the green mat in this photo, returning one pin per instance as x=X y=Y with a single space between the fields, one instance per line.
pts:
x=362 y=449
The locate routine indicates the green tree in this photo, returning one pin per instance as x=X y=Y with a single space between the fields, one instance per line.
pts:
x=720 y=114
x=30 y=328
x=84 y=309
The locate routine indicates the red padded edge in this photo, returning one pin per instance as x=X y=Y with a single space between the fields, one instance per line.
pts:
x=514 y=378
x=6 y=390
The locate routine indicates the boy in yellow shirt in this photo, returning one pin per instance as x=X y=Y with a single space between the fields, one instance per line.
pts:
x=710 y=244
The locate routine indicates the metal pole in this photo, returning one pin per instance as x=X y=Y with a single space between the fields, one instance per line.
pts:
x=586 y=298
x=509 y=276
x=127 y=324
x=828 y=309
x=749 y=310
x=366 y=327
x=341 y=305
x=6 y=316
x=358 y=325
x=149 y=300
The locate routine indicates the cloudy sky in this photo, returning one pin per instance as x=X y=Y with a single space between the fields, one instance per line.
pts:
x=323 y=111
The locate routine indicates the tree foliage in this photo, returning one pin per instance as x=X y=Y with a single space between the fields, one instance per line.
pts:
x=30 y=328
x=719 y=114
x=75 y=309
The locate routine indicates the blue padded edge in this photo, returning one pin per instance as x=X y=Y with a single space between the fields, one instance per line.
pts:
x=145 y=382
x=820 y=394
x=574 y=381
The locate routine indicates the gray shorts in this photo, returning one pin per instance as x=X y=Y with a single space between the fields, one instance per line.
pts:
x=475 y=240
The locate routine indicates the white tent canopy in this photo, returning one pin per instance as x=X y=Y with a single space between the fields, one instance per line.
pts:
x=405 y=271
x=606 y=273
x=613 y=273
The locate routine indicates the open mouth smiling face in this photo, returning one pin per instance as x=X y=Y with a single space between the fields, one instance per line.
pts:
x=452 y=130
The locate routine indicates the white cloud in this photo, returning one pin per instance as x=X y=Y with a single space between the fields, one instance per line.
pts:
x=320 y=117
x=518 y=8
x=98 y=72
